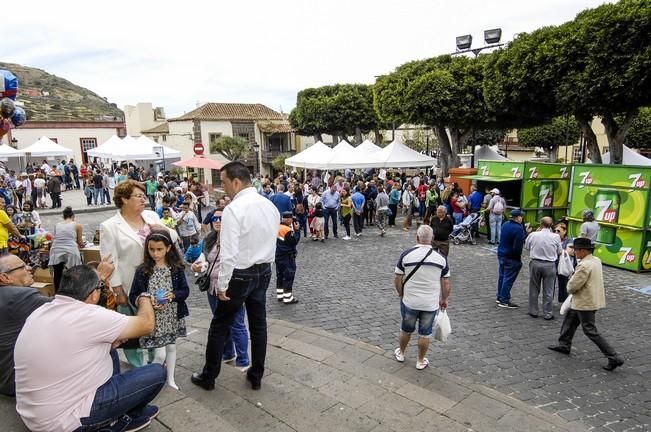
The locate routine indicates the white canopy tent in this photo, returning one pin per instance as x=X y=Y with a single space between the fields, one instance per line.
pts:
x=398 y=155
x=45 y=147
x=312 y=157
x=8 y=151
x=346 y=156
x=109 y=148
x=157 y=151
x=629 y=157
x=130 y=148
x=486 y=153
x=367 y=147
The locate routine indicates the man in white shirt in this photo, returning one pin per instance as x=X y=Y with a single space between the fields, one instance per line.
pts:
x=45 y=167
x=422 y=280
x=67 y=372
x=248 y=247
x=544 y=247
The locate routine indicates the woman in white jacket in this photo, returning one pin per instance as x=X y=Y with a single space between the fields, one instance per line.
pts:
x=122 y=239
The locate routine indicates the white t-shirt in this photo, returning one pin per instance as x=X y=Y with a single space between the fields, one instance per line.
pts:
x=423 y=289
x=62 y=358
x=39 y=183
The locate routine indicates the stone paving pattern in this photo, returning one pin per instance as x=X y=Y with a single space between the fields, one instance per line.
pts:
x=346 y=287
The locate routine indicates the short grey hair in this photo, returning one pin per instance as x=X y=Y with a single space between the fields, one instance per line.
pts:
x=281 y=188
x=442 y=207
x=78 y=282
x=425 y=234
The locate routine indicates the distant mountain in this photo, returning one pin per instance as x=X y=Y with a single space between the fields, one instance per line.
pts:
x=48 y=97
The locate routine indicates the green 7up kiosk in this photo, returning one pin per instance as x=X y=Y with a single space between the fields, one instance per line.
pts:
x=619 y=197
x=540 y=189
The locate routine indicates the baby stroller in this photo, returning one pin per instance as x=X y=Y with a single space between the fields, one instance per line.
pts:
x=463 y=231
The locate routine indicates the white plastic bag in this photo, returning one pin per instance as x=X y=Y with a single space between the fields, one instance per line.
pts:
x=566 y=305
x=442 y=328
x=565 y=266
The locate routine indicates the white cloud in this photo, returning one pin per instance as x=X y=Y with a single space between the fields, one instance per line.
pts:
x=175 y=54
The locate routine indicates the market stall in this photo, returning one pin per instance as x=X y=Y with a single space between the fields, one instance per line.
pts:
x=620 y=199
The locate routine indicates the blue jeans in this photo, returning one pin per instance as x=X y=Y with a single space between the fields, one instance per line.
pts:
x=330 y=214
x=302 y=223
x=410 y=316
x=126 y=393
x=236 y=343
x=458 y=218
x=248 y=287
x=507 y=273
x=99 y=192
x=495 y=222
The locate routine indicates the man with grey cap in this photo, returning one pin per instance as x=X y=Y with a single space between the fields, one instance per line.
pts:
x=509 y=256
x=588 y=296
x=544 y=247
x=496 y=208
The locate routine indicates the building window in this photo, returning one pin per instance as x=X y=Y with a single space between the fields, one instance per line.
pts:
x=576 y=154
x=212 y=138
x=164 y=137
x=87 y=144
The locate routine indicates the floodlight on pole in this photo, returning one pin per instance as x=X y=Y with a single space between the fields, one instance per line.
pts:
x=464 y=42
x=492 y=36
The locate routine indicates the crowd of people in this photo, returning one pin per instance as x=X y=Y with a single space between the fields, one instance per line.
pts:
x=134 y=298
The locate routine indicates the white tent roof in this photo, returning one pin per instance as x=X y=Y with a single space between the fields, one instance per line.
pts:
x=46 y=147
x=367 y=147
x=153 y=146
x=486 y=153
x=108 y=148
x=8 y=151
x=629 y=158
x=345 y=156
x=312 y=157
x=398 y=155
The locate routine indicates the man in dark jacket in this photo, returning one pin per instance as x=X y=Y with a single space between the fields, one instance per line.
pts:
x=288 y=236
x=442 y=225
x=54 y=188
x=509 y=256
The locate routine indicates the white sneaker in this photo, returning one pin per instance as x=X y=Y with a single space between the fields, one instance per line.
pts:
x=400 y=356
x=422 y=365
x=346 y=238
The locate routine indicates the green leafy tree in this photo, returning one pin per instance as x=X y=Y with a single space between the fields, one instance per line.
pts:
x=486 y=137
x=232 y=148
x=560 y=131
x=639 y=135
x=340 y=110
x=279 y=161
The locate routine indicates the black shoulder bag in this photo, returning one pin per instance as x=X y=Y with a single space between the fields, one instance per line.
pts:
x=203 y=281
x=404 y=281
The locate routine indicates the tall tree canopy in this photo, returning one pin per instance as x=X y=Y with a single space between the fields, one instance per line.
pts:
x=549 y=136
x=341 y=109
x=639 y=135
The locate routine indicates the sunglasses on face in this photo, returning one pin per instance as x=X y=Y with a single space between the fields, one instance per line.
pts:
x=216 y=218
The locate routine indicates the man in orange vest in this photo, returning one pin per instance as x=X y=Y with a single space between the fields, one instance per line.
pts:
x=288 y=236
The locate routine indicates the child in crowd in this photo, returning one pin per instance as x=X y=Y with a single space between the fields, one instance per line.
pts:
x=318 y=223
x=193 y=252
x=162 y=275
x=167 y=219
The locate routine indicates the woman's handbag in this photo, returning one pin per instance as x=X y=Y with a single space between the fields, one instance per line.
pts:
x=203 y=281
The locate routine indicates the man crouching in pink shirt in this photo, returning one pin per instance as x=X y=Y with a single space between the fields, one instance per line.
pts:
x=67 y=372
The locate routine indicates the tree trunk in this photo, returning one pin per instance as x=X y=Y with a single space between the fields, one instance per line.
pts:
x=616 y=135
x=318 y=137
x=445 y=150
x=459 y=138
x=553 y=154
x=378 y=138
x=358 y=136
x=590 y=138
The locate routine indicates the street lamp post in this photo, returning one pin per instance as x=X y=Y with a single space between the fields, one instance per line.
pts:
x=491 y=37
x=256 y=148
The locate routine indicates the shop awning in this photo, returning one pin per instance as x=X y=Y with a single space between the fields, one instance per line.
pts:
x=491 y=179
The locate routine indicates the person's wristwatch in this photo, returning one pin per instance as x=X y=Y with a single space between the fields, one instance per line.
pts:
x=145 y=294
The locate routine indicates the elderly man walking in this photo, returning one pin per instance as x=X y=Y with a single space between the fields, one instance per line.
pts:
x=544 y=247
x=587 y=288
x=248 y=247
x=423 y=285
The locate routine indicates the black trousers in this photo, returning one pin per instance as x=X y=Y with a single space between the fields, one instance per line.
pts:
x=586 y=319
x=248 y=287
x=358 y=222
x=394 y=212
x=58 y=272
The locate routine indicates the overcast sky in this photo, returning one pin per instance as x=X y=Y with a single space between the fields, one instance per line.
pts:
x=183 y=53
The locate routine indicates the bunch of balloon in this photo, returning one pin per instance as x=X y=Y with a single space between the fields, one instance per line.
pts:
x=11 y=115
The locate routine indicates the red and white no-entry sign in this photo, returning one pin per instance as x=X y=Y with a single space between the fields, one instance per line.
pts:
x=198 y=149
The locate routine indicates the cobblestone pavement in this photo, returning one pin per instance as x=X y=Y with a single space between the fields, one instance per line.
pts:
x=346 y=287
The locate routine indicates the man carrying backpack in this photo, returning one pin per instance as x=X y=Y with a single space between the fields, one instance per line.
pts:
x=496 y=207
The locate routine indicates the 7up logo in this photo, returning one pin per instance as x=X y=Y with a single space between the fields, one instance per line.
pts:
x=533 y=172
x=484 y=170
x=637 y=180
x=564 y=173
x=586 y=178
x=627 y=256
x=605 y=211
x=516 y=172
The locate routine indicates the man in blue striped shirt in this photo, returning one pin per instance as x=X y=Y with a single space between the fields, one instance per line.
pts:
x=330 y=200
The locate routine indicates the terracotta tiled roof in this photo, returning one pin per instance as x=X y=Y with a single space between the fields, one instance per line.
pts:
x=275 y=127
x=231 y=111
x=162 y=128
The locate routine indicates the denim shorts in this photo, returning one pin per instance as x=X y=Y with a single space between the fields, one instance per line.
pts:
x=425 y=321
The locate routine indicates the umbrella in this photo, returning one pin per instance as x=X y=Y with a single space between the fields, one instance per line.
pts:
x=199 y=162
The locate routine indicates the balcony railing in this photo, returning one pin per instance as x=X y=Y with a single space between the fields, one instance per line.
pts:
x=269 y=155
